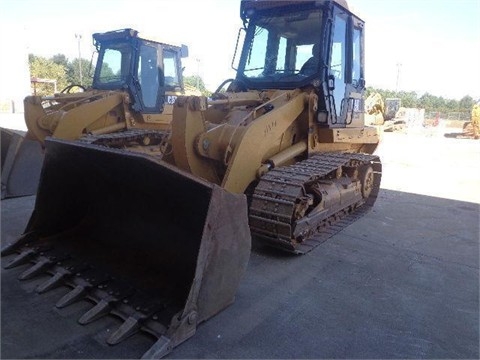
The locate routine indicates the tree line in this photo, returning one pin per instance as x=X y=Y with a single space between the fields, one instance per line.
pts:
x=67 y=72
x=427 y=101
x=59 y=68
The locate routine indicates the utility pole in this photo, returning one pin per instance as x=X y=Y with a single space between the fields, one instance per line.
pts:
x=198 y=74
x=79 y=37
x=399 y=65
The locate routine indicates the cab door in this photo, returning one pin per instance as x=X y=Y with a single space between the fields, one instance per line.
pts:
x=355 y=84
x=337 y=67
x=346 y=69
x=150 y=77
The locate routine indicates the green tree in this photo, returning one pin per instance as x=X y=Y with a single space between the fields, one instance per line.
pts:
x=409 y=99
x=426 y=101
x=73 y=72
x=192 y=82
x=451 y=105
x=466 y=103
x=60 y=59
x=449 y=108
x=43 y=68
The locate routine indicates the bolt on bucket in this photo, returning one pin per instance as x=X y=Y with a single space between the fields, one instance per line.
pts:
x=145 y=241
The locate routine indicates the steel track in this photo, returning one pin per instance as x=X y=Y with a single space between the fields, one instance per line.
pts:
x=274 y=202
x=123 y=138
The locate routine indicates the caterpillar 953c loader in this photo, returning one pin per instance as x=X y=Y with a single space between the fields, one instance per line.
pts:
x=130 y=102
x=282 y=155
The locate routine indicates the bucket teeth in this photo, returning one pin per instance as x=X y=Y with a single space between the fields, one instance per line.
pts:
x=127 y=329
x=101 y=309
x=92 y=279
x=62 y=274
x=22 y=240
x=37 y=269
x=55 y=281
x=161 y=348
x=21 y=259
x=73 y=296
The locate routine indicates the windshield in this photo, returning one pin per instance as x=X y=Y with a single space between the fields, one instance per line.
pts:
x=283 y=48
x=114 y=64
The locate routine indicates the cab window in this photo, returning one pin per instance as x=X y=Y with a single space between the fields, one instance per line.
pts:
x=148 y=73
x=170 y=68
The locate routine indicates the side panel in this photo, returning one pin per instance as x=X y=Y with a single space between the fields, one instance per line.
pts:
x=22 y=161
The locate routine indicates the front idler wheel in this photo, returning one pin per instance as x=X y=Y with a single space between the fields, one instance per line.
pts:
x=367 y=181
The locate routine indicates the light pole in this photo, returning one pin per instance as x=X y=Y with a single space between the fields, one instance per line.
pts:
x=198 y=74
x=399 y=65
x=79 y=37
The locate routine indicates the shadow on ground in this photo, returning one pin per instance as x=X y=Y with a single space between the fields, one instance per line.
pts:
x=402 y=282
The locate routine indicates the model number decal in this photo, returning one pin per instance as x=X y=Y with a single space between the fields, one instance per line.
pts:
x=269 y=127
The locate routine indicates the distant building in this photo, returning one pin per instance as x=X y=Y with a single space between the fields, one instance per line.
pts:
x=14 y=72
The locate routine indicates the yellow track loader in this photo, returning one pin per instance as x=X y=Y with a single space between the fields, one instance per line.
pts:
x=135 y=84
x=470 y=129
x=281 y=156
x=388 y=115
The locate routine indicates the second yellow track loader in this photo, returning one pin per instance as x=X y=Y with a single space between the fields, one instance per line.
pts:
x=129 y=104
x=135 y=84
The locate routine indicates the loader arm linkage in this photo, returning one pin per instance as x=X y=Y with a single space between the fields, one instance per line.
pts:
x=70 y=117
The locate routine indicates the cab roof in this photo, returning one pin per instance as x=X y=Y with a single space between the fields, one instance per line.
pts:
x=247 y=7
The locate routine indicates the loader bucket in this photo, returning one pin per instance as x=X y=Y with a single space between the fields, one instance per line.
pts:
x=147 y=242
x=21 y=164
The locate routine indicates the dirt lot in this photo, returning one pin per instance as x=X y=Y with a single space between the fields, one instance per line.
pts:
x=402 y=282
x=424 y=161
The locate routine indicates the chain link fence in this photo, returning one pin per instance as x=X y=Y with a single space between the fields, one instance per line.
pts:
x=454 y=119
x=459 y=115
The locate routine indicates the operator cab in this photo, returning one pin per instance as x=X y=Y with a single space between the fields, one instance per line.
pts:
x=296 y=44
x=145 y=68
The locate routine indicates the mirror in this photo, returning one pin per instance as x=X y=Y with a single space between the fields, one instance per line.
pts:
x=236 y=56
x=184 y=51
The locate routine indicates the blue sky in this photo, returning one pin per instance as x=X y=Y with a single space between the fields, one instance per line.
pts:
x=437 y=42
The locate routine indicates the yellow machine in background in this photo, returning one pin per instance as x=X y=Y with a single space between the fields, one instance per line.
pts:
x=134 y=87
x=388 y=115
x=473 y=128
x=130 y=104
x=470 y=129
x=374 y=109
x=283 y=157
